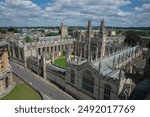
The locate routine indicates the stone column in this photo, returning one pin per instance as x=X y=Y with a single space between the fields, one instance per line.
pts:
x=25 y=56
x=84 y=52
x=57 y=48
x=12 y=48
x=68 y=54
x=37 y=52
x=75 y=50
x=89 y=50
x=45 y=50
x=52 y=57
x=19 y=54
x=38 y=56
x=81 y=46
x=96 y=56
x=114 y=62
x=44 y=66
x=131 y=67
x=49 y=49
x=9 y=50
x=109 y=51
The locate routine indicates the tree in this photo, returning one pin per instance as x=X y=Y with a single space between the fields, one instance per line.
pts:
x=132 y=38
x=148 y=45
x=3 y=31
x=15 y=30
x=28 y=39
x=144 y=33
x=52 y=34
x=11 y=29
x=59 y=31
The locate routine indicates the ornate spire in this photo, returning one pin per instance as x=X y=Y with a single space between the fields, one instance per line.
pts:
x=68 y=59
x=77 y=51
x=120 y=74
x=89 y=28
x=89 y=33
x=100 y=66
x=102 y=27
x=113 y=62
x=119 y=59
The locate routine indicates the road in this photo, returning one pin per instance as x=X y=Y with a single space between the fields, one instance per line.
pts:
x=44 y=87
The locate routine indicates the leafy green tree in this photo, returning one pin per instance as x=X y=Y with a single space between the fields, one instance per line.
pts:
x=148 y=45
x=28 y=39
x=144 y=33
x=15 y=30
x=132 y=38
x=3 y=31
x=59 y=31
x=11 y=29
x=52 y=34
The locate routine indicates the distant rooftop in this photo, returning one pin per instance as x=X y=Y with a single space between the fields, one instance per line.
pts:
x=2 y=42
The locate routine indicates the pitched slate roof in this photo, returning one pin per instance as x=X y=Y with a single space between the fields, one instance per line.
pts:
x=107 y=63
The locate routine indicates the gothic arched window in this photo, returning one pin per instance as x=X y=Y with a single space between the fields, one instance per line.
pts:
x=88 y=82
x=107 y=92
x=72 y=75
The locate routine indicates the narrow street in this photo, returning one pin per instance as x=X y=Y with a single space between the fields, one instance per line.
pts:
x=44 y=87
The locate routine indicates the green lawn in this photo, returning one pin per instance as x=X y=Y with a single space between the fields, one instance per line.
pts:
x=61 y=62
x=22 y=92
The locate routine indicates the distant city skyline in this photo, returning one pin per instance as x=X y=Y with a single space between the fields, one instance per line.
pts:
x=118 y=13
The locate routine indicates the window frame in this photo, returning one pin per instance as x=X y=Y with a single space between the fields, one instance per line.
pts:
x=72 y=76
x=107 y=92
x=88 y=82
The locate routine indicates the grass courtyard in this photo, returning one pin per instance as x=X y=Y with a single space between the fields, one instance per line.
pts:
x=22 y=92
x=62 y=61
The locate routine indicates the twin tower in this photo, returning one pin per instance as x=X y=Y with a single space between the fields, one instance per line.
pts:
x=91 y=44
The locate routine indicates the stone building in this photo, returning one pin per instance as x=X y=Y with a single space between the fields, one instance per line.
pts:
x=97 y=71
x=64 y=30
x=5 y=68
x=145 y=41
x=101 y=42
x=93 y=74
x=91 y=80
x=142 y=90
x=33 y=55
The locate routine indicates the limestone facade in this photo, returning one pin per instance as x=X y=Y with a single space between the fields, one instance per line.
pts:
x=96 y=72
x=64 y=30
x=5 y=68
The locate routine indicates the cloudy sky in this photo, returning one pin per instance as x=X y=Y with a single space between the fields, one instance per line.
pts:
x=74 y=12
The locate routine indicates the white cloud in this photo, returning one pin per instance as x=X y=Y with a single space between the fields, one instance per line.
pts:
x=145 y=7
x=123 y=14
x=71 y=12
x=86 y=9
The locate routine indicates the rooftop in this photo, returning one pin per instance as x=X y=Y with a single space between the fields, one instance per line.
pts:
x=108 y=62
x=3 y=43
